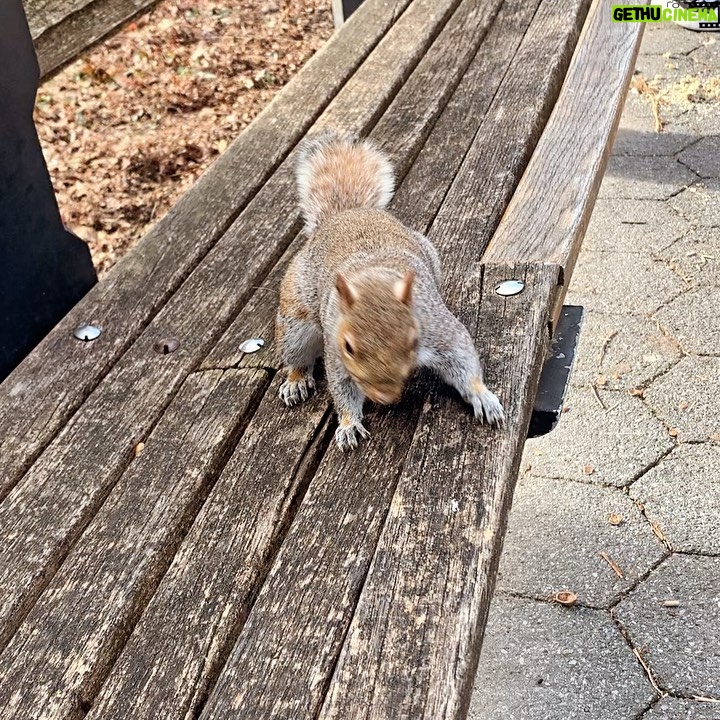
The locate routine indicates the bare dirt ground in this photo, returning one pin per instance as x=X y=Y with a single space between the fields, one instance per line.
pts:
x=130 y=126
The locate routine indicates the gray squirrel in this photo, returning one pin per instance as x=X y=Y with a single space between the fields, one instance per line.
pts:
x=364 y=289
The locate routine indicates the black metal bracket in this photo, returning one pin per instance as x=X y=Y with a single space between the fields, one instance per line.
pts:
x=44 y=269
x=555 y=377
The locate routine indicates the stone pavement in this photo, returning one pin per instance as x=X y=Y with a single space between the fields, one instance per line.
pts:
x=620 y=505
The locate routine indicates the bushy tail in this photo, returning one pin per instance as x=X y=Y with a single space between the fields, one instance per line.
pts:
x=339 y=172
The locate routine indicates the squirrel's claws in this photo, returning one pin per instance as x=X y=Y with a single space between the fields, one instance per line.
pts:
x=293 y=392
x=487 y=407
x=345 y=436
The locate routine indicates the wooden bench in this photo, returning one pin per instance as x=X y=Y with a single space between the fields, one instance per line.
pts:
x=174 y=542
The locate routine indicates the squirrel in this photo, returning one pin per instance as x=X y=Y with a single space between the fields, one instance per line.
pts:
x=364 y=291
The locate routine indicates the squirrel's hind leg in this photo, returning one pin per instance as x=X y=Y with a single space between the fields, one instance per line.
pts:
x=300 y=346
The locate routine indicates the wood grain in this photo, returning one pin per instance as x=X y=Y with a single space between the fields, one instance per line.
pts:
x=183 y=638
x=128 y=689
x=505 y=141
x=43 y=516
x=548 y=215
x=42 y=394
x=62 y=30
x=65 y=647
x=400 y=133
x=285 y=655
x=40 y=519
x=425 y=600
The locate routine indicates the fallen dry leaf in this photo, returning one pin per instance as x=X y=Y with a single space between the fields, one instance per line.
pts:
x=637 y=392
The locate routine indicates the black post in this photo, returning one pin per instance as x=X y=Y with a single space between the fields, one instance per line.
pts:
x=44 y=269
x=343 y=9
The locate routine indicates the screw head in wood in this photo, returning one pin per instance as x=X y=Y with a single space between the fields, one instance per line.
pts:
x=251 y=345
x=508 y=288
x=86 y=332
x=165 y=346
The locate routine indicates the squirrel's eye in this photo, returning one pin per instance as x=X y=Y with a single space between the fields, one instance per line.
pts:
x=349 y=348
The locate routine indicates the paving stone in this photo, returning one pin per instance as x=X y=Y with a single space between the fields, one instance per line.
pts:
x=670 y=708
x=703 y=157
x=687 y=398
x=604 y=447
x=621 y=352
x=633 y=226
x=661 y=67
x=700 y=203
x=637 y=136
x=645 y=178
x=557 y=532
x=693 y=319
x=696 y=257
x=707 y=54
x=546 y=662
x=682 y=495
x=669 y=38
x=633 y=284
x=682 y=644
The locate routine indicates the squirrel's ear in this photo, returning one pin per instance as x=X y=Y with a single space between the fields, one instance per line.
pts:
x=403 y=288
x=345 y=291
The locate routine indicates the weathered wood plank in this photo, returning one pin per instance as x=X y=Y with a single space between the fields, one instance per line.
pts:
x=285 y=655
x=42 y=394
x=549 y=213
x=184 y=636
x=504 y=143
x=426 y=597
x=402 y=135
x=61 y=30
x=127 y=688
x=42 y=517
x=64 y=648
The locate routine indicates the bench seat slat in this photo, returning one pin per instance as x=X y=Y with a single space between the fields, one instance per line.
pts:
x=414 y=642
x=40 y=396
x=285 y=655
x=63 y=650
x=149 y=380
x=181 y=642
x=44 y=514
x=548 y=215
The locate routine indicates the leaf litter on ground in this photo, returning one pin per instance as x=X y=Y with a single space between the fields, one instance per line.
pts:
x=128 y=128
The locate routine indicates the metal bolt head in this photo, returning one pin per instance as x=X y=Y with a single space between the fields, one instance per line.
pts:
x=87 y=332
x=251 y=345
x=508 y=288
x=165 y=346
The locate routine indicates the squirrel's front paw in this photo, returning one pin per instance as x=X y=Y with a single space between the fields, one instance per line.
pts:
x=487 y=407
x=296 y=388
x=345 y=434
